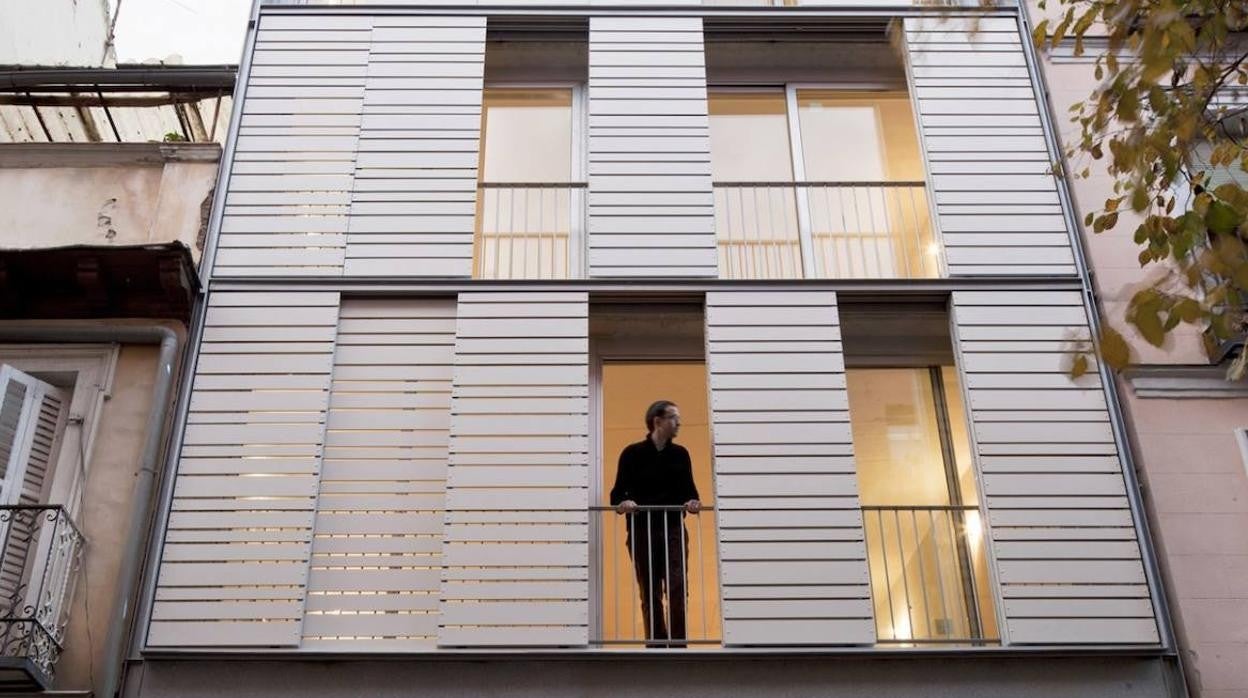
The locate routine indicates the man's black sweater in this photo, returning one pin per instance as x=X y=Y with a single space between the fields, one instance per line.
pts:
x=650 y=476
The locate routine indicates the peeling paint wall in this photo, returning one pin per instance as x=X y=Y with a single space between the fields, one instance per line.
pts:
x=104 y=205
x=53 y=32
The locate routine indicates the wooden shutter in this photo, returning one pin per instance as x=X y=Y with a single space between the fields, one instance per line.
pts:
x=414 y=204
x=792 y=551
x=376 y=555
x=517 y=546
x=651 y=209
x=979 y=117
x=289 y=187
x=234 y=567
x=32 y=415
x=1063 y=535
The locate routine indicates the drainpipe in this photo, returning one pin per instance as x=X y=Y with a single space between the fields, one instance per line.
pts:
x=141 y=511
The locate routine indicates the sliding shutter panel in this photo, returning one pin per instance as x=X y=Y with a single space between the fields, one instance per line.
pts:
x=792 y=552
x=289 y=186
x=517 y=546
x=234 y=567
x=651 y=208
x=414 y=204
x=996 y=199
x=376 y=555
x=1063 y=535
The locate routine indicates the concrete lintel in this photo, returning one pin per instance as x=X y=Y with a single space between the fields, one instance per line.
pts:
x=36 y=155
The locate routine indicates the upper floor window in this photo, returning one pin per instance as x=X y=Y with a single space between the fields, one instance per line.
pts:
x=530 y=191
x=819 y=183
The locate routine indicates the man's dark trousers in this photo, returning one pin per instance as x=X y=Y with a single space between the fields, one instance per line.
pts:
x=659 y=547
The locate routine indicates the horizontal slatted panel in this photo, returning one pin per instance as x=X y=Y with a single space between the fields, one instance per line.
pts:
x=234 y=567
x=288 y=194
x=784 y=472
x=641 y=146
x=377 y=550
x=414 y=200
x=1069 y=565
x=996 y=200
x=519 y=473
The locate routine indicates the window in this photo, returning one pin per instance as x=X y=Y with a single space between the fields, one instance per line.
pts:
x=917 y=486
x=817 y=182
x=530 y=189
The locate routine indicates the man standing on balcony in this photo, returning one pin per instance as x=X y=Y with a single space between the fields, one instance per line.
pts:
x=654 y=487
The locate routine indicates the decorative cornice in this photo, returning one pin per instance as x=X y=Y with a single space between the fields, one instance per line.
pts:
x=1183 y=382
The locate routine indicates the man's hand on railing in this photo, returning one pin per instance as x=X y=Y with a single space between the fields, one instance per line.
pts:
x=693 y=506
x=627 y=506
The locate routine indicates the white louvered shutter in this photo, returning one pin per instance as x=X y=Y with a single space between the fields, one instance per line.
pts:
x=996 y=198
x=234 y=565
x=1063 y=535
x=516 y=554
x=784 y=471
x=31 y=416
x=651 y=207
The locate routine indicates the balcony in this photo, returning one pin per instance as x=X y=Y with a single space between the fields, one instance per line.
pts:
x=928 y=576
x=824 y=230
x=529 y=230
x=627 y=589
x=42 y=551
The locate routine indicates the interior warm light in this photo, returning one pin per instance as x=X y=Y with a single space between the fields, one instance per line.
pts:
x=974 y=527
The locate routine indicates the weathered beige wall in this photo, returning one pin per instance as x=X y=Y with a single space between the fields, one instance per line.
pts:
x=105 y=515
x=1194 y=477
x=107 y=204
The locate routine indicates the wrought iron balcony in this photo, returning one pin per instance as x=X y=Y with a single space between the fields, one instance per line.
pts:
x=39 y=565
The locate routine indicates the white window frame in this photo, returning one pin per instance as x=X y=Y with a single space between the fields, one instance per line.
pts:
x=93 y=368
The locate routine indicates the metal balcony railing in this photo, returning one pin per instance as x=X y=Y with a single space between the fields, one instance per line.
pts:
x=841 y=230
x=928 y=575
x=657 y=578
x=39 y=565
x=529 y=230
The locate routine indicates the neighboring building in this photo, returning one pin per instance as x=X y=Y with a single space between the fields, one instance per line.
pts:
x=460 y=248
x=1188 y=428
x=55 y=33
x=101 y=227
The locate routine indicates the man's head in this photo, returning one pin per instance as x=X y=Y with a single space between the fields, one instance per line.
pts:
x=663 y=419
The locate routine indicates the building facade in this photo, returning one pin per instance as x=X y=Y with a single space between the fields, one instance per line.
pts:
x=461 y=247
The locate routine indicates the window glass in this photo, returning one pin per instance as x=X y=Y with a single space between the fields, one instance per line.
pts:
x=858 y=136
x=526 y=135
x=749 y=137
x=896 y=437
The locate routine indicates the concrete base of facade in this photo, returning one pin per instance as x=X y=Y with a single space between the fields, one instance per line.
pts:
x=645 y=677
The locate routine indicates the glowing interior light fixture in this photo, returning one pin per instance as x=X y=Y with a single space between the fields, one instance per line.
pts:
x=933 y=249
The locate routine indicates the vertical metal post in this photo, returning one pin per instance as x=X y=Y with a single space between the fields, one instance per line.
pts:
x=956 y=515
